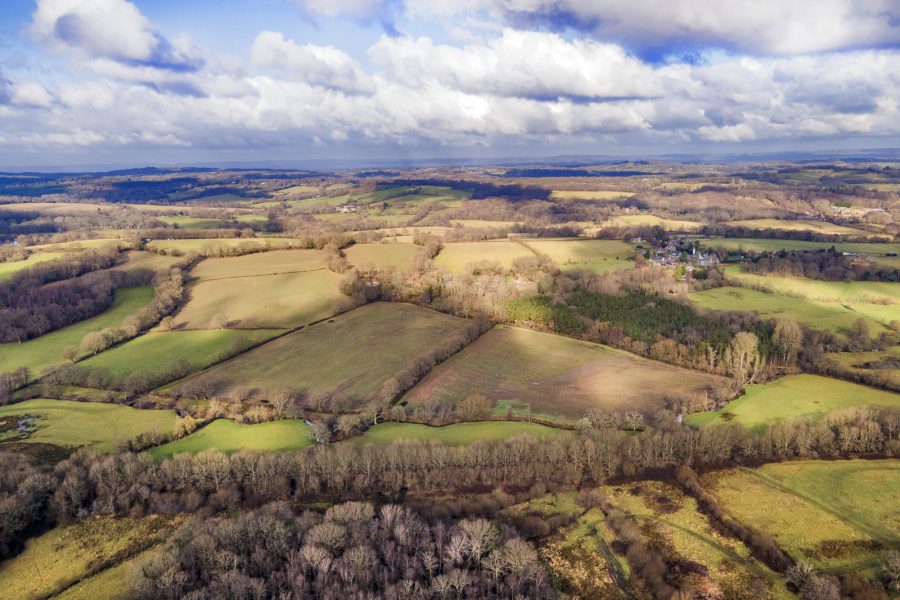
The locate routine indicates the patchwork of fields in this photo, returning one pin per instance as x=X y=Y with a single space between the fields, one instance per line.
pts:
x=556 y=376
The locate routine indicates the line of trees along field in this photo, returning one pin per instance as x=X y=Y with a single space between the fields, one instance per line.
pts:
x=828 y=265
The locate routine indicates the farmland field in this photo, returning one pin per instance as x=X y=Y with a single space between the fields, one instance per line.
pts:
x=398 y=256
x=770 y=245
x=459 y=256
x=795 y=396
x=156 y=352
x=459 y=434
x=350 y=356
x=840 y=515
x=832 y=316
x=666 y=513
x=192 y=222
x=66 y=555
x=600 y=256
x=884 y=363
x=263 y=263
x=555 y=375
x=206 y=245
x=591 y=194
x=72 y=424
x=8 y=269
x=228 y=436
x=814 y=226
x=45 y=351
x=652 y=221
x=476 y=223
x=113 y=583
x=264 y=301
x=854 y=293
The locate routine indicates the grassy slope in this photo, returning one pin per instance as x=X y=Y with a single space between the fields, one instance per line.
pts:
x=796 y=396
x=353 y=354
x=156 y=352
x=261 y=263
x=459 y=434
x=228 y=436
x=811 y=505
x=458 y=256
x=398 y=256
x=266 y=301
x=816 y=226
x=8 y=269
x=856 y=361
x=768 y=245
x=66 y=423
x=555 y=374
x=200 y=244
x=62 y=556
x=113 y=583
x=852 y=293
x=601 y=256
x=652 y=221
x=666 y=512
x=46 y=351
x=832 y=316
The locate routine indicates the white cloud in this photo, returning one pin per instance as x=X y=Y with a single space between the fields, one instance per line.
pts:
x=765 y=26
x=115 y=30
x=317 y=65
x=29 y=93
x=355 y=8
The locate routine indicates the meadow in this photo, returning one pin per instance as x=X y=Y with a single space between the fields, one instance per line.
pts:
x=461 y=256
x=884 y=363
x=482 y=223
x=600 y=256
x=228 y=436
x=555 y=375
x=853 y=293
x=673 y=520
x=840 y=515
x=273 y=262
x=793 y=396
x=801 y=225
x=590 y=194
x=156 y=352
x=8 y=269
x=459 y=434
x=652 y=221
x=72 y=424
x=112 y=583
x=771 y=245
x=209 y=245
x=398 y=256
x=832 y=316
x=280 y=301
x=47 y=350
x=351 y=356
x=184 y=222
x=66 y=560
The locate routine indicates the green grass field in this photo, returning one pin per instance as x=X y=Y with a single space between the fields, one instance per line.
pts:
x=262 y=263
x=228 y=436
x=799 y=225
x=397 y=256
x=77 y=245
x=45 y=351
x=61 y=557
x=208 y=245
x=832 y=316
x=600 y=256
x=265 y=301
x=113 y=583
x=868 y=362
x=769 y=245
x=459 y=434
x=184 y=222
x=350 y=356
x=156 y=352
x=795 y=396
x=72 y=424
x=555 y=375
x=460 y=256
x=666 y=514
x=481 y=223
x=8 y=269
x=590 y=195
x=841 y=515
x=852 y=293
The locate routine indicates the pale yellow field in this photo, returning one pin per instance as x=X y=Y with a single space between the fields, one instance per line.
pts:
x=816 y=226
x=590 y=194
x=652 y=221
x=601 y=256
x=460 y=256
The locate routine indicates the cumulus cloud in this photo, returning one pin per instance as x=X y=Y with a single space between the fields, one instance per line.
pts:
x=360 y=9
x=108 y=29
x=763 y=26
x=318 y=65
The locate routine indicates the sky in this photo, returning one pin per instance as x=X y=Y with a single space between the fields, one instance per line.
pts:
x=168 y=82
